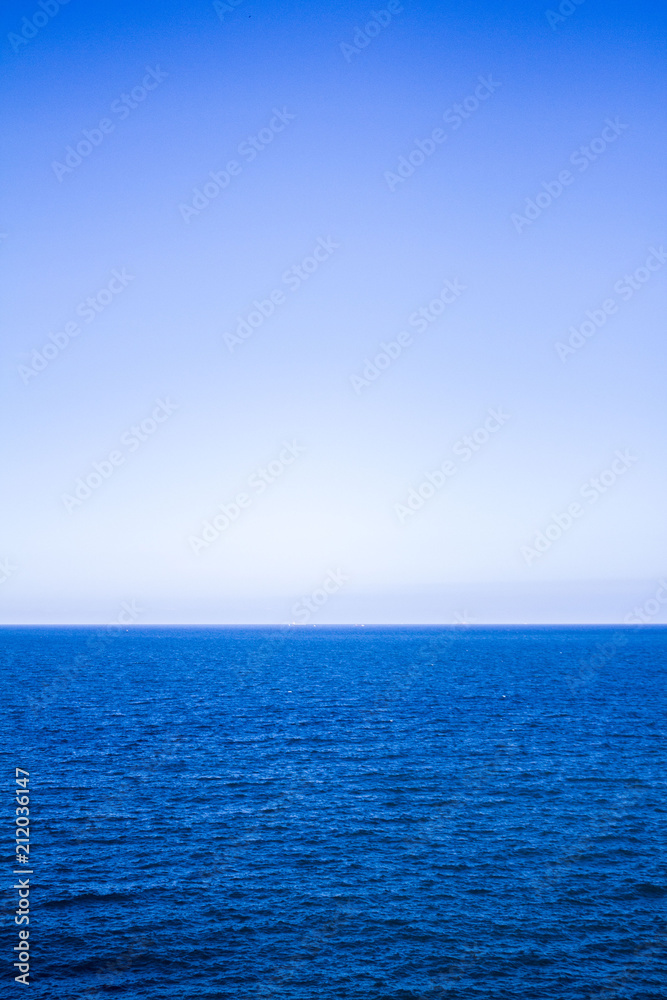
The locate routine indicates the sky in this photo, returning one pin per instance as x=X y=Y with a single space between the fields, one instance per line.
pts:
x=331 y=313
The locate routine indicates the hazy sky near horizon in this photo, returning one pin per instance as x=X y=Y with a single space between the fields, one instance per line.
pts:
x=479 y=187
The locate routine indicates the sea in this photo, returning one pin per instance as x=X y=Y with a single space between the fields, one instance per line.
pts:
x=341 y=813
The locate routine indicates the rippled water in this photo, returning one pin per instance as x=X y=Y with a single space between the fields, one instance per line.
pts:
x=342 y=813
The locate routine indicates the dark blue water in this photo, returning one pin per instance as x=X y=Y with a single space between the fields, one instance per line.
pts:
x=361 y=813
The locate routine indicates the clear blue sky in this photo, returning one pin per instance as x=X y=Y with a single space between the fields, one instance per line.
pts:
x=214 y=215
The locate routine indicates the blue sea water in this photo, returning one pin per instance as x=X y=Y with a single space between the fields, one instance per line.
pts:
x=364 y=813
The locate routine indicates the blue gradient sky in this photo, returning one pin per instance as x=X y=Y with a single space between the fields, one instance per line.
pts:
x=323 y=176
